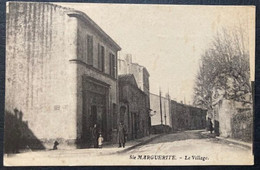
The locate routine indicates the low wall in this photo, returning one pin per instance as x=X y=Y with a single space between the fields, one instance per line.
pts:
x=158 y=129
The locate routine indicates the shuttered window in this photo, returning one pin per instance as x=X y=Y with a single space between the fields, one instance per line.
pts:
x=112 y=65
x=101 y=58
x=90 y=50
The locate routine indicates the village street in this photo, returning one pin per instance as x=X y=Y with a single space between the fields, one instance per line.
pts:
x=189 y=147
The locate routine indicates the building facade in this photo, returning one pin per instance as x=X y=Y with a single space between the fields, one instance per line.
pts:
x=140 y=73
x=61 y=73
x=133 y=107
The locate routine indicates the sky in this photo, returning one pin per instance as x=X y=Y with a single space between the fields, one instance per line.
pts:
x=167 y=39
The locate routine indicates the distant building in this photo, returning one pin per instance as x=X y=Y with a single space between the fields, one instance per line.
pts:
x=126 y=66
x=61 y=74
x=133 y=107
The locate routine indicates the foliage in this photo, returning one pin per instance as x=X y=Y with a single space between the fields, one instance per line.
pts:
x=242 y=125
x=224 y=70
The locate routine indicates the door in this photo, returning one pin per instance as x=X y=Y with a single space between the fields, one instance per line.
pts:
x=86 y=123
x=134 y=127
x=93 y=115
x=104 y=124
x=102 y=121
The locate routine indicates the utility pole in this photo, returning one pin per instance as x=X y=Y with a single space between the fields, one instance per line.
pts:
x=161 y=106
x=165 y=118
x=164 y=112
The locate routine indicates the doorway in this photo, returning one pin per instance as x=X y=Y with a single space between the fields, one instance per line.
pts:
x=134 y=126
x=95 y=108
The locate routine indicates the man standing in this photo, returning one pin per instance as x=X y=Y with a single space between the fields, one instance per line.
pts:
x=121 y=135
x=94 y=136
x=210 y=125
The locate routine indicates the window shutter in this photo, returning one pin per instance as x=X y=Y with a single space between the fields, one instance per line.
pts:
x=98 y=55
x=90 y=50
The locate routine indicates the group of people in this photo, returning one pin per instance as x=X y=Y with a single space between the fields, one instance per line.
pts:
x=97 y=138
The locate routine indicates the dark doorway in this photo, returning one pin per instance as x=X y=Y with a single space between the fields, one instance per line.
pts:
x=95 y=108
x=93 y=115
x=134 y=126
x=122 y=113
x=104 y=123
x=101 y=121
x=86 y=123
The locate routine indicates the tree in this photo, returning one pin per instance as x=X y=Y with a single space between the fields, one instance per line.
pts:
x=224 y=70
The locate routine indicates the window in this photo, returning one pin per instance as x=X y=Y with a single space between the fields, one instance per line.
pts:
x=112 y=65
x=90 y=50
x=101 y=57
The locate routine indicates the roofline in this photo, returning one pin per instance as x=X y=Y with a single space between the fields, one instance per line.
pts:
x=141 y=66
x=75 y=13
x=83 y=16
x=120 y=76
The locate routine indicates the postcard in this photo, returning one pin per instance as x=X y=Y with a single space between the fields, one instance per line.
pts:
x=128 y=84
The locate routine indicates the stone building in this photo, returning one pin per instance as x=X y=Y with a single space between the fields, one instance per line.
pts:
x=126 y=66
x=61 y=74
x=133 y=107
x=140 y=73
x=185 y=117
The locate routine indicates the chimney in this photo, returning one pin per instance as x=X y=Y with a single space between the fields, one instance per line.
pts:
x=128 y=58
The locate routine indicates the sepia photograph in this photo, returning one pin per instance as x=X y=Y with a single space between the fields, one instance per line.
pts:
x=94 y=84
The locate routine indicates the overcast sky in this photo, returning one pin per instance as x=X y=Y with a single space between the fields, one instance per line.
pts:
x=168 y=40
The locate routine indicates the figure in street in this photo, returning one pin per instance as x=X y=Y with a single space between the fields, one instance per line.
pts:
x=94 y=136
x=55 y=145
x=210 y=125
x=100 y=141
x=122 y=135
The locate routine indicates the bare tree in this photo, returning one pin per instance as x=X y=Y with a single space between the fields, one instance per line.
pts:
x=224 y=71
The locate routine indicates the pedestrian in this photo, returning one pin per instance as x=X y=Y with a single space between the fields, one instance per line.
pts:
x=94 y=136
x=121 y=135
x=100 y=141
x=55 y=145
x=210 y=126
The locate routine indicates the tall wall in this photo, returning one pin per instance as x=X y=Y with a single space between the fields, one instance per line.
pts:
x=40 y=80
x=155 y=106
